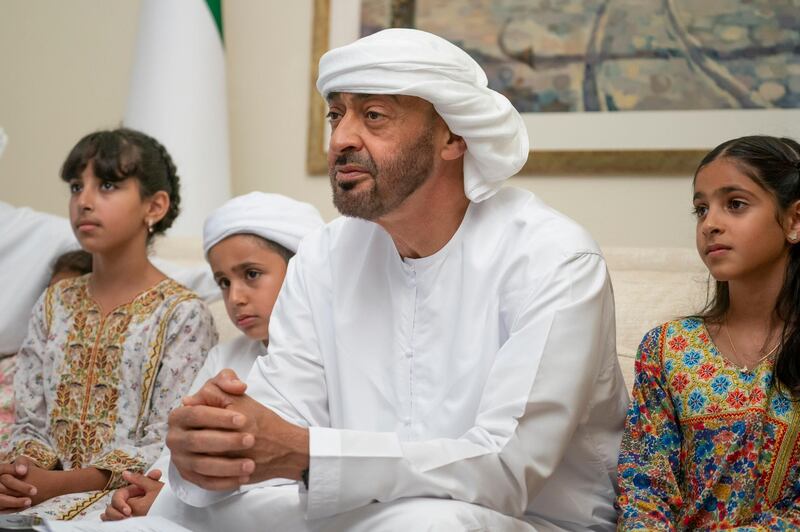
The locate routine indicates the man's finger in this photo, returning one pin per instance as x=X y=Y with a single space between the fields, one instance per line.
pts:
x=208 y=441
x=9 y=501
x=199 y=467
x=14 y=484
x=155 y=474
x=229 y=382
x=206 y=417
x=215 y=483
x=211 y=394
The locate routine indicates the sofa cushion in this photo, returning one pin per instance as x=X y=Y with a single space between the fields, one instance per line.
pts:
x=652 y=286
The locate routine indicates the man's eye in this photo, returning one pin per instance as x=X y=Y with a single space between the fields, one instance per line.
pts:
x=252 y=275
x=223 y=283
x=373 y=115
x=333 y=116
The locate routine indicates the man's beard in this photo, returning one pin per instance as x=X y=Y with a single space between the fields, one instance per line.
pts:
x=395 y=180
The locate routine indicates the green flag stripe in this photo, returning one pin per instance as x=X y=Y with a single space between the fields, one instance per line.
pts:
x=215 y=6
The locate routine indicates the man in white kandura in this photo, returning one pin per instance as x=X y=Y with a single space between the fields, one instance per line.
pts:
x=442 y=357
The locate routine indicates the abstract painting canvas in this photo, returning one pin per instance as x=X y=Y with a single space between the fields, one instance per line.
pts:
x=614 y=87
x=619 y=55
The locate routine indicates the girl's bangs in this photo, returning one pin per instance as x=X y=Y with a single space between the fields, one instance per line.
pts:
x=113 y=158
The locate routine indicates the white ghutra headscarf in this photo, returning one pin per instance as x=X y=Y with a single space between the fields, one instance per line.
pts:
x=417 y=63
x=274 y=217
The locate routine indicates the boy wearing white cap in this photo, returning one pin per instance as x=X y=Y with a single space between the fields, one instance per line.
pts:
x=442 y=357
x=248 y=243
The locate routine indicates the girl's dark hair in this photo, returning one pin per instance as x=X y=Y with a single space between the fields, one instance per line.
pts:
x=78 y=261
x=122 y=153
x=774 y=164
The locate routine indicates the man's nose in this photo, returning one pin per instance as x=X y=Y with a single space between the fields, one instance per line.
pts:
x=347 y=135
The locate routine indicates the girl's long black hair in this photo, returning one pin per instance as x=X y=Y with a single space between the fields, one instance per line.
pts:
x=774 y=164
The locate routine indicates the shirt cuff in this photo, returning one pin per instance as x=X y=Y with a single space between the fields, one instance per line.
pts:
x=324 y=472
x=192 y=494
x=349 y=468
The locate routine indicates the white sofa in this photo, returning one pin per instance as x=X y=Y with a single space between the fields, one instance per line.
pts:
x=651 y=285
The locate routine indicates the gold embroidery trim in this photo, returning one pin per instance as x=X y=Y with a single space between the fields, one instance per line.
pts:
x=90 y=373
x=82 y=505
x=784 y=456
x=48 y=308
x=153 y=361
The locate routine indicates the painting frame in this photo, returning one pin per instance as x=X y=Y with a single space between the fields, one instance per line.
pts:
x=658 y=161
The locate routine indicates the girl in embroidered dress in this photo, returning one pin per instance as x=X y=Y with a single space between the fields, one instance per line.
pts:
x=108 y=354
x=711 y=440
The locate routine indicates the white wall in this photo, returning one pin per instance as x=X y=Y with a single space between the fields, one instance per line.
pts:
x=65 y=72
x=64 y=68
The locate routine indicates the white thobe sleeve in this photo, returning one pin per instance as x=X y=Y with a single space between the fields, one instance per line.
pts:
x=538 y=390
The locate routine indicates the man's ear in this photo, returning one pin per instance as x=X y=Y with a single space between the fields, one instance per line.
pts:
x=792 y=223
x=157 y=207
x=454 y=148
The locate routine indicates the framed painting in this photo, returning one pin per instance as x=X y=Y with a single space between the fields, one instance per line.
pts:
x=615 y=87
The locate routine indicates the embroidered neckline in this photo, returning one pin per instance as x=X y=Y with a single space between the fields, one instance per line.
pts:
x=82 y=284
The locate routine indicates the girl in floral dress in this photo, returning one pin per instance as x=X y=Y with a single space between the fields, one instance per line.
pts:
x=712 y=436
x=108 y=354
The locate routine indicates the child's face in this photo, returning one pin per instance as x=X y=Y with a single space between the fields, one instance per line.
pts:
x=106 y=215
x=250 y=275
x=739 y=235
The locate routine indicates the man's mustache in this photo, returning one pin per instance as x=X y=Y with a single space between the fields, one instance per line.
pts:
x=364 y=161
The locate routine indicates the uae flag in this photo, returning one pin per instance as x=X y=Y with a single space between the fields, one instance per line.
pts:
x=177 y=95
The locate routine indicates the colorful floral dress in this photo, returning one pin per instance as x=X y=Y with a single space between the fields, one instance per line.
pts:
x=95 y=391
x=707 y=445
